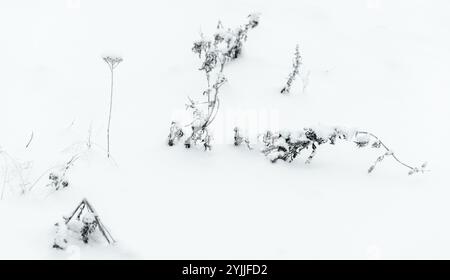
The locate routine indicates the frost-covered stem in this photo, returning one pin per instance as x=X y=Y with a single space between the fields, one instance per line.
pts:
x=225 y=46
x=112 y=64
x=212 y=113
x=69 y=164
x=386 y=148
x=88 y=142
x=311 y=156
x=239 y=139
x=29 y=141
x=215 y=103
x=216 y=107
x=295 y=65
x=17 y=168
x=208 y=91
x=110 y=109
x=4 y=179
x=41 y=176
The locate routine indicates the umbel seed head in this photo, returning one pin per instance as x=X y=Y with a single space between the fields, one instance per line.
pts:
x=112 y=61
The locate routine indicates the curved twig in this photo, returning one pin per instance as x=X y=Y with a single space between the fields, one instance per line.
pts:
x=215 y=114
x=29 y=141
x=386 y=148
x=5 y=178
x=18 y=169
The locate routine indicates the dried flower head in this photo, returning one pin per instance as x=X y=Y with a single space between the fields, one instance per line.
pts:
x=112 y=61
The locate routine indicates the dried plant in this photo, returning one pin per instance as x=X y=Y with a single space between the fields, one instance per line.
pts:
x=239 y=139
x=30 y=140
x=287 y=146
x=364 y=139
x=82 y=224
x=295 y=71
x=15 y=174
x=58 y=174
x=225 y=45
x=112 y=62
x=58 y=179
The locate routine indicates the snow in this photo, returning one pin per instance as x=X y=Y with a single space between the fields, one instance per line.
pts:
x=381 y=66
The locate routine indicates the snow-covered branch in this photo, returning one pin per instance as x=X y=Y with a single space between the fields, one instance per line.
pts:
x=287 y=146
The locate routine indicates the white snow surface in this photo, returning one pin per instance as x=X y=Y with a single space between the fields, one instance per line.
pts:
x=381 y=66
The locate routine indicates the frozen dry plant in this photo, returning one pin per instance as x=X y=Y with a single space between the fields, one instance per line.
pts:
x=82 y=224
x=113 y=62
x=58 y=174
x=225 y=45
x=364 y=139
x=287 y=146
x=296 y=62
x=30 y=140
x=58 y=179
x=239 y=139
x=14 y=173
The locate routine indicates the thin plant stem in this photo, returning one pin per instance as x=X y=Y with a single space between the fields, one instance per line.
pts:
x=29 y=141
x=4 y=179
x=112 y=64
x=386 y=148
x=110 y=110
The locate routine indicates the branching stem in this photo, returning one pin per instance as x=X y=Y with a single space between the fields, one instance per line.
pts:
x=386 y=148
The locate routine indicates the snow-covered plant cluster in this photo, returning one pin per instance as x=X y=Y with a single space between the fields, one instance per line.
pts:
x=225 y=45
x=296 y=62
x=58 y=175
x=58 y=181
x=215 y=51
x=287 y=146
x=83 y=225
